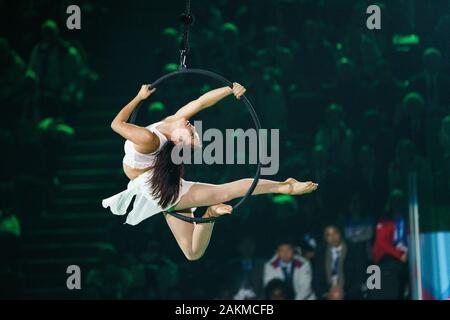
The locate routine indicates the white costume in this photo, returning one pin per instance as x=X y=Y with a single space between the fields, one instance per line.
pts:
x=145 y=205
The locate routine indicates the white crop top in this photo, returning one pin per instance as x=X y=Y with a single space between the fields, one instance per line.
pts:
x=139 y=160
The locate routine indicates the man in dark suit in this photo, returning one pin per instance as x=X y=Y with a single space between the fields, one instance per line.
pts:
x=338 y=268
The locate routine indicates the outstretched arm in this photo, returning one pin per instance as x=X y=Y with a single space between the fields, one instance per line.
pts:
x=138 y=135
x=207 y=100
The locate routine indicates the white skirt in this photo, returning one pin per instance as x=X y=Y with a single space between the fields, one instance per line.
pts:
x=145 y=205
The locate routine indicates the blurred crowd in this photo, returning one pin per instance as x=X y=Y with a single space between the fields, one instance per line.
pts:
x=42 y=88
x=364 y=113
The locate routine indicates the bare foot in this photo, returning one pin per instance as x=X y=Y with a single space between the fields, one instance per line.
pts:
x=218 y=210
x=294 y=187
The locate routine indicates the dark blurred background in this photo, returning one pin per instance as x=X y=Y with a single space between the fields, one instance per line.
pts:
x=358 y=110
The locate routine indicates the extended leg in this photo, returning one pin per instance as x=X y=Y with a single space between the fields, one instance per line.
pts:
x=203 y=194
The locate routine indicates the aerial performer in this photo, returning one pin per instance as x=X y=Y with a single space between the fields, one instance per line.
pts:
x=158 y=184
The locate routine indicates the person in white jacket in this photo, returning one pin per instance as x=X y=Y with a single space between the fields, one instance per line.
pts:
x=292 y=268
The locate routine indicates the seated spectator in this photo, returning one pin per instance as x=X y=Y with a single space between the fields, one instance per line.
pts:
x=432 y=83
x=386 y=90
x=338 y=268
x=230 y=52
x=409 y=122
x=162 y=275
x=406 y=162
x=375 y=130
x=13 y=83
x=10 y=252
x=308 y=246
x=55 y=136
x=156 y=110
x=440 y=35
x=12 y=75
x=329 y=178
x=442 y=176
x=57 y=66
x=10 y=233
x=442 y=183
x=276 y=289
x=8 y=161
x=47 y=143
x=168 y=45
x=390 y=248
x=272 y=37
x=369 y=178
x=110 y=280
x=245 y=272
x=271 y=94
x=336 y=137
x=292 y=269
x=359 y=226
x=315 y=55
x=348 y=89
x=444 y=135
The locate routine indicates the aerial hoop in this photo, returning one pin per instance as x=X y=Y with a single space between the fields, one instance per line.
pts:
x=250 y=108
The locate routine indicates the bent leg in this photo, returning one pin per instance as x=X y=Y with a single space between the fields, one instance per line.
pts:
x=182 y=231
x=193 y=239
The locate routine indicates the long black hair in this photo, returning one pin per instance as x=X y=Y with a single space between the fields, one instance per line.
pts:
x=166 y=176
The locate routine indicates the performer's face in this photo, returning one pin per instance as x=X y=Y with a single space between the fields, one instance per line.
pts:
x=186 y=133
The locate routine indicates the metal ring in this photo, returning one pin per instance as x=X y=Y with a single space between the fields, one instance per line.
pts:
x=252 y=113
